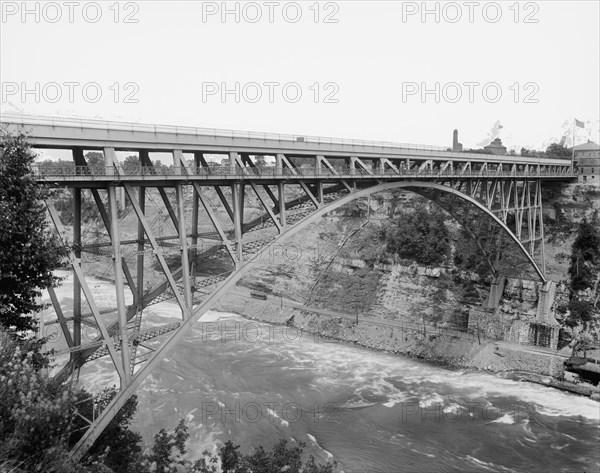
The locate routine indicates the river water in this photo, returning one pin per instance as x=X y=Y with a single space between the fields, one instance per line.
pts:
x=371 y=412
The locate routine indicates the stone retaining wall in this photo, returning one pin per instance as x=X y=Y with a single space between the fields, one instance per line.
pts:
x=463 y=352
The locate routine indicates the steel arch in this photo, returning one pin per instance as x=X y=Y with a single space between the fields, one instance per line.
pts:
x=121 y=397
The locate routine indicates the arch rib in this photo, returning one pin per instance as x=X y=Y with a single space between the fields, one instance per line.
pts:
x=121 y=397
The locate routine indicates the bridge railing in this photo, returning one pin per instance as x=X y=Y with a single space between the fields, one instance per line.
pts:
x=109 y=126
x=129 y=172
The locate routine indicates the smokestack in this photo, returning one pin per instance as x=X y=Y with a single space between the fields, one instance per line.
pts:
x=456 y=146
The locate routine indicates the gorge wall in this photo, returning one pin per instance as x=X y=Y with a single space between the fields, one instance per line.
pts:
x=314 y=272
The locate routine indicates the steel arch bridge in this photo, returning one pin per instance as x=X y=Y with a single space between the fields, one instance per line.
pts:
x=218 y=218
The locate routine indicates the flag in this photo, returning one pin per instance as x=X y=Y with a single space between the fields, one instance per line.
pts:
x=579 y=124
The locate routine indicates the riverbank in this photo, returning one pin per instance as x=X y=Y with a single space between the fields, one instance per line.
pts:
x=449 y=348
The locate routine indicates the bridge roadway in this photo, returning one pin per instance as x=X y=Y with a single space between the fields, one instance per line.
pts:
x=323 y=173
x=84 y=176
x=63 y=133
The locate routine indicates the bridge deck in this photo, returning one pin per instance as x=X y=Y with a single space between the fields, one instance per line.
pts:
x=64 y=133
x=86 y=176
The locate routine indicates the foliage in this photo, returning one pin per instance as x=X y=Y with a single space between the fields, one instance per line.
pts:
x=160 y=167
x=467 y=254
x=169 y=451
x=260 y=161
x=28 y=251
x=582 y=311
x=95 y=160
x=471 y=293
x=35 y=414
x=63 y=203
x=475 y=151
x=40 y=419
x=585 y=256
x=280 y=459
x=419 y=235
x=558 y=151
x=131 y=164
x=531 y=153
x=117 y=447
x=553 y=151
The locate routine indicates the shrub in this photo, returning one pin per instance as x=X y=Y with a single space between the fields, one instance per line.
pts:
x=419 y=235
x=35 y=413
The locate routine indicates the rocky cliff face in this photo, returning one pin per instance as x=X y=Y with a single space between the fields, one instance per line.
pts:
x=359 y=278
x=564 y=207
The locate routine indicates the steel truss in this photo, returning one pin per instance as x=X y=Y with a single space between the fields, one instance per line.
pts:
x=295 y=191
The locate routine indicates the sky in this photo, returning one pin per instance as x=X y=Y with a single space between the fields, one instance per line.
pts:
x=408 y=72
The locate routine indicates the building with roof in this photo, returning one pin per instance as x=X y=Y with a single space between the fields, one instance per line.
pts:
x=587 y=163
x=496 y=147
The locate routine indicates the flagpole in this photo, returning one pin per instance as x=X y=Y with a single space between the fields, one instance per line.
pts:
x=573 y=153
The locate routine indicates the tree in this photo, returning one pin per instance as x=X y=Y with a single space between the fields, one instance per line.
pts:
x=418 y=235
x=582 y=316
x=41 y=420
x=558 y=151
x=280 y=458
x=131 y=165
x=260 y=161
x=35 y=413
x=96 y=162
x=117 y=447
x=28 y=251
x=581 y=312
x=160 y=167
x=585 y=256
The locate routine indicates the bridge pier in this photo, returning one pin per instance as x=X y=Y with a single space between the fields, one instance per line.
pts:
x=496 y=291
x=545 y=298
x=545 y=301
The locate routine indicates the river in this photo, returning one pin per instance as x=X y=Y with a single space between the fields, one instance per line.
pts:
x=372 y=412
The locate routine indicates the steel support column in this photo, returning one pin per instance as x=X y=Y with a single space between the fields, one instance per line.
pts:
x=144 y=159
x=237 y=196
x=543 y=245
x=77 y=254
x=119 y=283
x=141 y=250
x=195 y=222
x=113 y=204
x=281 y=198
x=106 y=338
x=157 y=250
x=185 y=261
x=179 y=160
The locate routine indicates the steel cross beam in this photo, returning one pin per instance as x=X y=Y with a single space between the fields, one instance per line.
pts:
x=107 y=339
x=155 y=357
x=185 y=309
x=503 y=187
